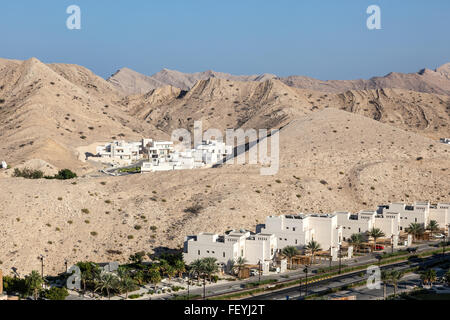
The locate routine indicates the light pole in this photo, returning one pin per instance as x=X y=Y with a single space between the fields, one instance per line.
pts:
x=306 y=284
x=65 y=263
x=41 y=257
x=259 y=271
x=392 y=243
x=189 y=282
x=204 y=287
x=340 y=258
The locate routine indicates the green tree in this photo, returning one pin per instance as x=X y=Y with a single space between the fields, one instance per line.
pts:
x=240 y=264
x=210 y=267
x=180 y=267
x=34 y=284
x=89 y=272
x=386 y=278
x=137 y=258
x=395 y=277
x=154 y=275
x=127 y=285
x=107 y=281
x=356 y=240
x=433 y=227
x=65 y=174
x=290 y=252
x=56 y=294
x=428 y=277
x=416 y=230
x=197 y=267
x=376 y=233
x=313 y=247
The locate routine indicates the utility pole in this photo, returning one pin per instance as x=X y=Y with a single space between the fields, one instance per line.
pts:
x=204 y=288
x=259 y=273
x=41 y=257
x=306 y=284
x=340 y=258
x=65 y=263
x=189 y=282
x=392 y=243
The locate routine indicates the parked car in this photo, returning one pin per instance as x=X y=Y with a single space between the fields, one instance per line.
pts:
x=438 y=236
x=378 y=247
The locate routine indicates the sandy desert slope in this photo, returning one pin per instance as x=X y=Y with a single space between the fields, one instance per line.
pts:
x=330 y=160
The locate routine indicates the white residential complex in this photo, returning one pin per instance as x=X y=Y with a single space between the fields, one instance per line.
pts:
x=329 y=230
x=364 y=221
x=299 y=230
x=206 y=154
x=255 y=248
x=162 y=156
x=420 y=212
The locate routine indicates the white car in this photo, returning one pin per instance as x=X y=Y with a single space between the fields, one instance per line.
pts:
x=439 y=236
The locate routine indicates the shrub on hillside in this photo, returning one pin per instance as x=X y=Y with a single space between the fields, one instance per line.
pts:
x=28 y=173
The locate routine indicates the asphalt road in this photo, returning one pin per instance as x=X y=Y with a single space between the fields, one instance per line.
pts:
x=321 y=286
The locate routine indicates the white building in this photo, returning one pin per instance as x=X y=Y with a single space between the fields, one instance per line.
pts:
x=441 y=214
x=158 y=149
x=205 y=154
x=299 y=230
x=419 y=212
x=228 y=248
x=120 y=152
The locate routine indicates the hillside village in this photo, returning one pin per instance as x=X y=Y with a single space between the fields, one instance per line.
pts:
x=161 y=155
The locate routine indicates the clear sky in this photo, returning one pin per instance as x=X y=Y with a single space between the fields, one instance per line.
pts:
x=326 y=39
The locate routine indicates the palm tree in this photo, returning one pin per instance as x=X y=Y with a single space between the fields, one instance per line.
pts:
x=180 y=267
x=429 y=277
x=290 y=252
x=154 y=275
x=376 y=233
x=395 y=277
x=89 y=272
x=107 y=281
x=356 y=240
x=239 y=264
x=313 y=247
x=197 y=268
x=127 y=284
x=415 y=229
x=385 y=277
x=210 y=267
x=34 y=283
x=433 y=226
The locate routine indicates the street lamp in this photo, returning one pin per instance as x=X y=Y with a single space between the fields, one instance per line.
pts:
x=41 y=257
x=392 y=243
x=306 y=284
x=189 y=282
x=65 y=263
x=340 y=257
x=259 y=271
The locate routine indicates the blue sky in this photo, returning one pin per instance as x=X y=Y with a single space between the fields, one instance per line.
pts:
x=326 y=39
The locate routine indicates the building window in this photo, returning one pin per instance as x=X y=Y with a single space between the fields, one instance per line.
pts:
x=198 y=252
x=224 y=254
x=293 y=229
